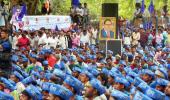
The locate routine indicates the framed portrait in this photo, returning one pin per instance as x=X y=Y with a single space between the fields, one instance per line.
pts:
x=107 y=28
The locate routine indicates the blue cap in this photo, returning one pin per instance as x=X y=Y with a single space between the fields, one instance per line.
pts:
x=105 y=71
x=34 y=92
x=118 y=95
x=48 y=76
x=18 y=75
x=127 y=69
x=7 y=83
x=12 y=82
x=23 y=56
x=60 y=65
x=5 y=96
x=141 y=96
x=75 y=83
x=45 y=62
x=14 y=58
x=136 y=70
x=162 y=82
x=94 y=71
x=148 y=72
x=133 y=74
x=24 y=60
x=48 y=51
x=88 y=74
x=33 y=56
x=73 y=58
x=77 y=69
x=143 y=86
x=155 y=94
x=137 y=81
x=122 y=62
x=16 y=67
x=93 y=57
x=46 y=86
x=114 y=74
x=103 y=61
x=64 y=58
x=115 y=70
x=130 y=79
x=60 y=91
x=122 y=80
x=82 y=57
x=28 y=80
x=35 y=74
x=164 y=71
x=59 y=73
x=98 y=86
x=41 y=53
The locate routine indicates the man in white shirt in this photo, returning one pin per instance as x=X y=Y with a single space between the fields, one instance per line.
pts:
x=63 y=40
x=80 y=13
x=42 y=38
x=94 y=36
x=135 y=38
x=52 y=42
x=85 y=38
x=32 y=39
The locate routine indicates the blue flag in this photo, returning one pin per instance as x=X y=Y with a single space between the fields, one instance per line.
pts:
x=151 y=7
x=23 y=11
x=150 y=24
x=75 y=2
x=143 y=6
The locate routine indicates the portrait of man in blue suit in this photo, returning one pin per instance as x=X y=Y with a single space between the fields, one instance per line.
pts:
x=107 y=32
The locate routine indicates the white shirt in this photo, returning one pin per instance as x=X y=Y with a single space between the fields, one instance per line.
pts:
x=85 y=11
x=80 y=11
x=94 y=37
x=52 y=42
x=32 y=41
x=63 y=42
x=127 y=40
x=42 y=40
x=15 y=41
x=85 y=39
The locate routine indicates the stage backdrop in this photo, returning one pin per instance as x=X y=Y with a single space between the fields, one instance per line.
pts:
x=49 y=22
x=107 y=28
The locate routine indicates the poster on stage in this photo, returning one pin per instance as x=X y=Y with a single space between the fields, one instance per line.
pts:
x=107 y=28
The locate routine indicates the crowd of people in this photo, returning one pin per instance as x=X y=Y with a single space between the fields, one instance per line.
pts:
x=68 y=65
x=71 y=38
x=80 y=14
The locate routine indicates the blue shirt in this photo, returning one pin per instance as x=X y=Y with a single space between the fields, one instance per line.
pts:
x=6 y=46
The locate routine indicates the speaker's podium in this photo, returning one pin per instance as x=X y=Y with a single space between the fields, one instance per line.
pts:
x=109 y=29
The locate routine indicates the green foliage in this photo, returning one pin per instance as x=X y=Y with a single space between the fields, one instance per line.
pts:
x=126 y=7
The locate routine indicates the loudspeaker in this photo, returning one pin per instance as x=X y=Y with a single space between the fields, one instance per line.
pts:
x=113 y=45
x=110 y=10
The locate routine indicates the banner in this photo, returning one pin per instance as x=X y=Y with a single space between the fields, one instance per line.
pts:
x=48 y=22
x=107 y=28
